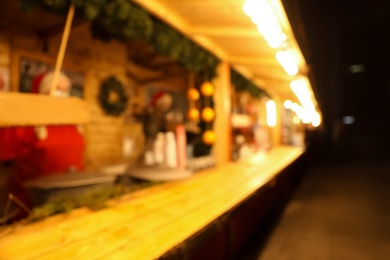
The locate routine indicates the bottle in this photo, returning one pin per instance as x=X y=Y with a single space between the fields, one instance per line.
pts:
x=148 y=158
x=181 y=144
x=158 y=148
x=170 y=150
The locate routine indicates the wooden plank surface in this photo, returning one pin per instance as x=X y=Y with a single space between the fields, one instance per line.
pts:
x=19 y=109
x=147 y=223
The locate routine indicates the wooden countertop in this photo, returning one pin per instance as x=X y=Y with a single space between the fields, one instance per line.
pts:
x=147 y=223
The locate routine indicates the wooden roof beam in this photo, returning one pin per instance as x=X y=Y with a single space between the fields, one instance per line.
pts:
x=163 y=12
x=253 y=60
x=226 y=31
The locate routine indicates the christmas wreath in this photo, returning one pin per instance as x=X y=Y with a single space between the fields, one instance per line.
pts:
x=242 y=84
x=112 y=96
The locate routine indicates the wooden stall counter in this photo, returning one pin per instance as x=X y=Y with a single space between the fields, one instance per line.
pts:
x=147 y=223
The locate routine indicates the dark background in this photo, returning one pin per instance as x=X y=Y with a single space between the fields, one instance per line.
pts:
x=334 y=35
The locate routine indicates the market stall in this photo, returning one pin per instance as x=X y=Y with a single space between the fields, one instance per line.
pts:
x=154 y=97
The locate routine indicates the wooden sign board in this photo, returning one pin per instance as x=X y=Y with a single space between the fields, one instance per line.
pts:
x=17 y=109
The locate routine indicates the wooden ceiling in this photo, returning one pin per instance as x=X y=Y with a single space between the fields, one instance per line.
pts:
x=39 y=22
x=146 y=66
x=222 y=27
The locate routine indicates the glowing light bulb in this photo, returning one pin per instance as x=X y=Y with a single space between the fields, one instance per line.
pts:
x=296 y=120
x=287 y=60
x=250 y=7
x=262 y=14
x=271 y=112
x=295 y=107
x=316 y=120
x=300 y=89
x=287 y=104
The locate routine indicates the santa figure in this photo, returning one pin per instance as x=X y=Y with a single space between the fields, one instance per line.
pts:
x=155 y=116
x=42 y=84
x=32 y=152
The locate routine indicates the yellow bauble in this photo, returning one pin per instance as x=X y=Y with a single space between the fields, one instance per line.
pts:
x=209 y=137
x=207 y=89
x=193 y=114
x=208 y=114
x=192 y=94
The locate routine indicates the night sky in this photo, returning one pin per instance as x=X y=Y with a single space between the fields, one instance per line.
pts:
x=335 y=35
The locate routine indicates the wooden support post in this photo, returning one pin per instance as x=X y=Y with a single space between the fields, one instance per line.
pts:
x=61 y=52
x=222 y=123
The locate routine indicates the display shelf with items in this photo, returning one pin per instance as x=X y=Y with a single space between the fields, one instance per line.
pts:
x=128 y=107
x=250 y=133
x=177 y=125
x=165 y=137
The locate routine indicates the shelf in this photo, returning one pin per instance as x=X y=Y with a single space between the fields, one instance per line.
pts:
x=241 y=121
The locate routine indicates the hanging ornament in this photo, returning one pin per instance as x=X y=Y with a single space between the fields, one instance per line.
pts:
x=193 y=114
x=207 y=89
x=193 y=94
x=112 y=96
x=208 y=137
x=208 y=114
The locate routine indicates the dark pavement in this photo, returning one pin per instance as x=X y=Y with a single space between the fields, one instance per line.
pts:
x=340 y=211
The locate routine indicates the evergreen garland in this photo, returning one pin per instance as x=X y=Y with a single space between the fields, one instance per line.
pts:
x=123 y=20
x=168 y=41
x=240 y=83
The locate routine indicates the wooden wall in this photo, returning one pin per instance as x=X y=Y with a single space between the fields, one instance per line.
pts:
x=97 y=60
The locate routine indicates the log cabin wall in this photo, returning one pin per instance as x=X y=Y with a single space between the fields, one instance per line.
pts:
x=4 y=51
x=97 y=60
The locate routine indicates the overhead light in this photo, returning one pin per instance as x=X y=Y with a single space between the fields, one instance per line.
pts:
x=307 y=112
x=265 y=15
x=273 y=36
x=296 y=120
x=316 y=120
x=295 y=107
x=271 y=112
x=250 y=6
x=301 y=90
x=287 y=60
x=288 y=104
x=262 y=14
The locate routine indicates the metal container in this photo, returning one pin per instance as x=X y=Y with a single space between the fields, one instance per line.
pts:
x=48 y=187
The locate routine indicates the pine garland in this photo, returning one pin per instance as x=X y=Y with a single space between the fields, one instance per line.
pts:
x=240 y=83
x=169 y=42
x=119 y=19
x=123 y=20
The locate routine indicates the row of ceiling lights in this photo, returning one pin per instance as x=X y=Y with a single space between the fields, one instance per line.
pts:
x=262 y=14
